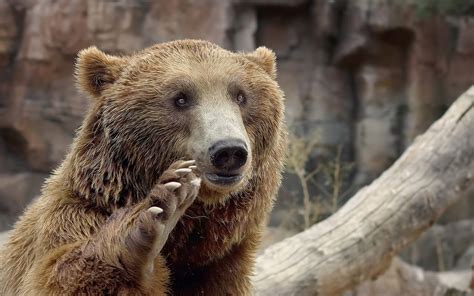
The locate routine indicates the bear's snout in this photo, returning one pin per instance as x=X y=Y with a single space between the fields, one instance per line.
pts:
x=220 y=145
x=227 y=156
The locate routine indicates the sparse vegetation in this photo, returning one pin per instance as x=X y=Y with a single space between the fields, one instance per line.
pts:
x=327 y=178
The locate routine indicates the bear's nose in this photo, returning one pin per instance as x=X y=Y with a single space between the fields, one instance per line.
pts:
x=228 y=155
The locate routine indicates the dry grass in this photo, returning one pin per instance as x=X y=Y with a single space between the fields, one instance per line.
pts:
x=327 y=177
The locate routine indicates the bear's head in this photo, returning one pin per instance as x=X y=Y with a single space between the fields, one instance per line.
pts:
x=185 y=99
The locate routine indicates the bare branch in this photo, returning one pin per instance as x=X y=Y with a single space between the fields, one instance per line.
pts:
x=359 y=241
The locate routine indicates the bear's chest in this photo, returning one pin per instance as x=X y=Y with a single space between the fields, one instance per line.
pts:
x=205 y=235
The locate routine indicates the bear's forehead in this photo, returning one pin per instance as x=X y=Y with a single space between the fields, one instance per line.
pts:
x=185 y=49
x=198 y=48
x=186 y=55
x=182 y=65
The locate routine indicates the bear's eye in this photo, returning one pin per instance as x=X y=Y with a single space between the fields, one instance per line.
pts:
x=181 y=101
x=241 y=99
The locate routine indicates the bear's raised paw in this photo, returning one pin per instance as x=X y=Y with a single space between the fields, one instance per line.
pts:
x=176 y=190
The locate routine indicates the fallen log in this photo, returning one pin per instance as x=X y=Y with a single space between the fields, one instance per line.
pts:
x=358 y=242
x=404 y=279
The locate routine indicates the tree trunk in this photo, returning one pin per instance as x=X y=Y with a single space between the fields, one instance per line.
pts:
x=409 y=280
x=359 y=241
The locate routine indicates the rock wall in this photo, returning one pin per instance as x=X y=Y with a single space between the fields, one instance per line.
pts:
x=365 y=75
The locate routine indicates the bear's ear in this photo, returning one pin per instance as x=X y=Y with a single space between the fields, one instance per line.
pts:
x=96 y=70
x=265 y=58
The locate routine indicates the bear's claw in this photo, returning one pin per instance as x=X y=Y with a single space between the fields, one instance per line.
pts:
x=172 y=185
x=183 y=171
x=187 y=163
x=155 y=210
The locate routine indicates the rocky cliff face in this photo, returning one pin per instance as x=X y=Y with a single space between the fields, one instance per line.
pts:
x=364 y=75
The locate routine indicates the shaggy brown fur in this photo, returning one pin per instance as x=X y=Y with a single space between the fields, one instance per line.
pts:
x=91 y=232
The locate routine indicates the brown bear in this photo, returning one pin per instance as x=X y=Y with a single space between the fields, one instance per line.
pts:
x=168 y=183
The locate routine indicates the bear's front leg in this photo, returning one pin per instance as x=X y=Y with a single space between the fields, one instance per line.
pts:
x=137 y=234
x=176 y=190
x=123 y=257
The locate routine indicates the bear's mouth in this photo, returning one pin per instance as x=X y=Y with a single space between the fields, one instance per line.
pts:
x=224 y=179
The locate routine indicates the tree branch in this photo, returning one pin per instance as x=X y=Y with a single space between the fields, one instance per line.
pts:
x=359 y=241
